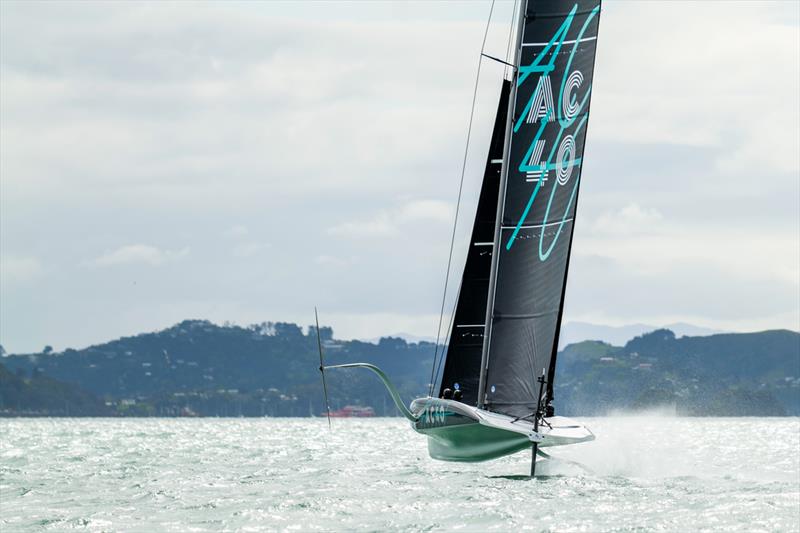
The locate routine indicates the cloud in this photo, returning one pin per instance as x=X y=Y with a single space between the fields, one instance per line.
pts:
x=381 y=225
x=670 y=290
x=16 y=269
x=237 y=231
x=249 y=249
x=709 y=87
x=138 y=254
x=426 y=210
x=372 y=325
x=630 y=219
x=336 y=135
x=392 y=221
x=244 y=248
x=275 y=90
x=764 y=258
x=333 y=261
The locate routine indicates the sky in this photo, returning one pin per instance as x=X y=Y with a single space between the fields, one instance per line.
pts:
x=245 y=162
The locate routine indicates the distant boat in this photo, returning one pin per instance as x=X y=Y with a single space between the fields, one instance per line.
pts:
x=495 y=396
x=352 y=411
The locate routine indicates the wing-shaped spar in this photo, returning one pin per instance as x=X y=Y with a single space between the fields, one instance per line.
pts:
x=501 y=352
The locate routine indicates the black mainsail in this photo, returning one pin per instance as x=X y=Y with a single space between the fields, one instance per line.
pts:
x=540 y=192
x=535 y=205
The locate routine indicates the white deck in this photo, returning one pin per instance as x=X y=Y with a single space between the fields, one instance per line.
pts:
x=554 y=431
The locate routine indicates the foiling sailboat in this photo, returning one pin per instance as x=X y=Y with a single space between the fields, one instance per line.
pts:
x=495 y=396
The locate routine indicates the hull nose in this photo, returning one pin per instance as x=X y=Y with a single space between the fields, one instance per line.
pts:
x=455 y=433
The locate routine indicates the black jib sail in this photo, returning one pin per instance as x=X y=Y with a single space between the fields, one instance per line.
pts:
x=540 y=194
x=463 y=362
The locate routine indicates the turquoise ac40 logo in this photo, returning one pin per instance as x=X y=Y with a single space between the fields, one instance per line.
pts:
x=542 y=111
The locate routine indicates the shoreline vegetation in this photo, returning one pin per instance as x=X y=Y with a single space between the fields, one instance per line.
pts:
x=197 y=368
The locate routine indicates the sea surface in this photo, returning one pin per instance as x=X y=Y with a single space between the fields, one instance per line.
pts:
x=646 y=473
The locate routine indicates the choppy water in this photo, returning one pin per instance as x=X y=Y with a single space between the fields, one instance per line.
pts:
x=647 y=474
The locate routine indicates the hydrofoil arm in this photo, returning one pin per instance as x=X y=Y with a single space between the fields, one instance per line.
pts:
x=388 y=384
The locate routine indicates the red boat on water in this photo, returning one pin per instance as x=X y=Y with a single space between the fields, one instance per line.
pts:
x=353 y=411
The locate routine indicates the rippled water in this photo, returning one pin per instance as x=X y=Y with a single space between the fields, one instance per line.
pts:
x=643 y=473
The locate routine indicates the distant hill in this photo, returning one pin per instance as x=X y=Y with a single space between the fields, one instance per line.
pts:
x=573 y=332
x=408 y=337
x=200 y=368
x=41 y=395
x=726 y=375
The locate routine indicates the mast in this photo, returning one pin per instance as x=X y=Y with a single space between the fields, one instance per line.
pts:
x=487 y=330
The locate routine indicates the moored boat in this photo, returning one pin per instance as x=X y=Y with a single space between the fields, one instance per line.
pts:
x=352 y=411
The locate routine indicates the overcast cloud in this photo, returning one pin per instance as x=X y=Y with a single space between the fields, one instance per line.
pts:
x=247 y=161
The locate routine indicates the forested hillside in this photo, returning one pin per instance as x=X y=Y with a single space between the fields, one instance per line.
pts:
x=199 y=368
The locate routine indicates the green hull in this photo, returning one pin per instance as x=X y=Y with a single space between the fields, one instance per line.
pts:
x=455 y=433
x=452 y=430
x=459 y=432
x=472 y=442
